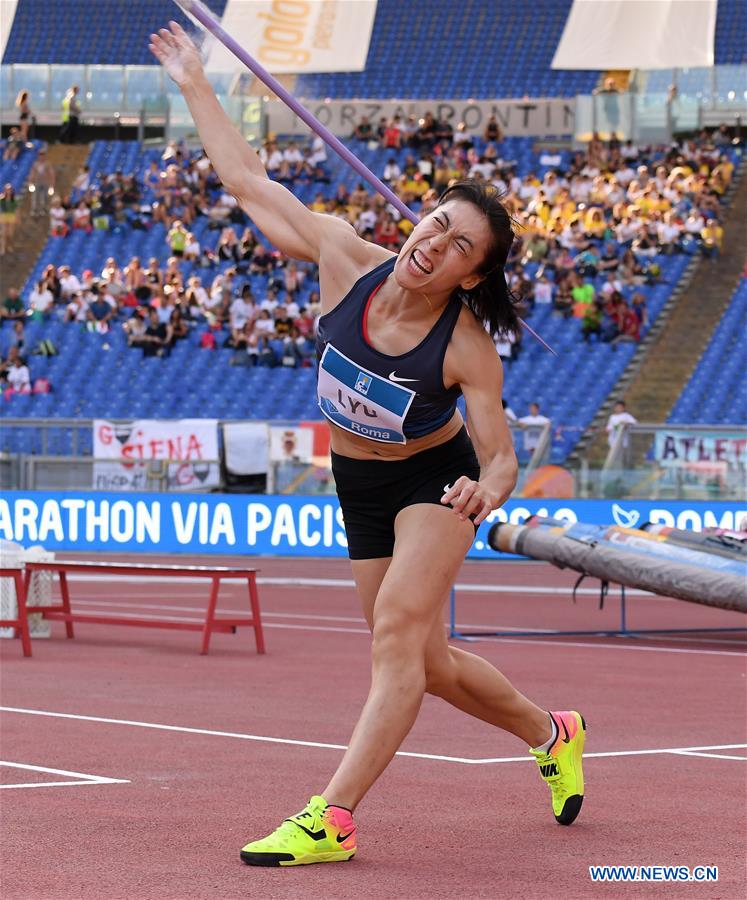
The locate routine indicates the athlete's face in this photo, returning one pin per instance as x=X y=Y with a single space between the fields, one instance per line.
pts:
x=445 y=250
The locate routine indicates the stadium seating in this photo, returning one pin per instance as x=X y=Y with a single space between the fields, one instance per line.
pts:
x=731 y=29
x=504 y=50
x=716 y=393
x=16 y=171
x=100 y=376
x=66 y=31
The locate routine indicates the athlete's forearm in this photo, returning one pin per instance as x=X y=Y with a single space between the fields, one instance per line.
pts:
x=226 y=148
x=500 y=476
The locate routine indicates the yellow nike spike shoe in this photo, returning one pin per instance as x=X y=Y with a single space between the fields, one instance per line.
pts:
x=319 y=833
x=561 y=766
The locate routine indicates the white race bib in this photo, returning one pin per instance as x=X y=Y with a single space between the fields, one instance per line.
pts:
x=361 y=401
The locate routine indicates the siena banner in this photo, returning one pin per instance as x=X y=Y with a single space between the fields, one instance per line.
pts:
x=297 y=36
x=128 y=455
x=279 y=525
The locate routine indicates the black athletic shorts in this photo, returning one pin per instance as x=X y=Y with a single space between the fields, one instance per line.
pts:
x=373 y=491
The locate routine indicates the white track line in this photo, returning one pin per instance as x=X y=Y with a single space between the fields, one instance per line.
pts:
x=86 y=778
x=281 y=581
x=545 y=642
x=710 y=755
x=324 y=746
x=601 y=646
x=278 y=615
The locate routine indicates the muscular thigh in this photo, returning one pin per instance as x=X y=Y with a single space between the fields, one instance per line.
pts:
x=430 y=546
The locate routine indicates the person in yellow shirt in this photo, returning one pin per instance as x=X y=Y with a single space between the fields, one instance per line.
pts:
x=594 y=223
x=712 y=236
x=319 y=204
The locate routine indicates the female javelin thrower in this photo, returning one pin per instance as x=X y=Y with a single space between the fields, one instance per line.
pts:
x=400 y=337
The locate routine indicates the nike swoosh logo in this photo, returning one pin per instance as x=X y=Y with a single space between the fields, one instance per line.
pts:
x=393 y=377
x=314 y=835
x=566 y=739
x=344 y=837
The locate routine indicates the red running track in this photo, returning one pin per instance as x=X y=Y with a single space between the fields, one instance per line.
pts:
x=464 y=816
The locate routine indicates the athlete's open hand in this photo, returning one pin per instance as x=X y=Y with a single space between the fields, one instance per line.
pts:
x=176 y=53
x=468 y=498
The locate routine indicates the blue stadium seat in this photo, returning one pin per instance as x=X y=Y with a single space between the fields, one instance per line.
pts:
x=716 y=393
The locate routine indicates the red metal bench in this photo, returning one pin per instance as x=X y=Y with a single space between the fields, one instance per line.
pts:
x=21 y=622
x=64 y=613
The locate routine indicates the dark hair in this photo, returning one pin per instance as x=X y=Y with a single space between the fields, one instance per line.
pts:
x=490 y=300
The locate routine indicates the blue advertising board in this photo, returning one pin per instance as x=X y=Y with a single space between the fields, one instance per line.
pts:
x=279 y=525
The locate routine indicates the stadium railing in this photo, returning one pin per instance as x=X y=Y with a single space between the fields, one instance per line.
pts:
x=137 y=94
x=47 y=470
x=684 y=462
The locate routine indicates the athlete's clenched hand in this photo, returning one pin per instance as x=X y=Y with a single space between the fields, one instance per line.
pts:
x=468 y=498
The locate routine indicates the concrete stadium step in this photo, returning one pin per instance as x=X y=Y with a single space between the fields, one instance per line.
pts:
x=31 y=234
x=665 y=361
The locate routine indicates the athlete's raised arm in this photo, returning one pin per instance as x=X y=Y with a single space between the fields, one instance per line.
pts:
x=281 y=217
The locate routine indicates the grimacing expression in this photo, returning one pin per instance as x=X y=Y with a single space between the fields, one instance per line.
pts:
x=445 y=250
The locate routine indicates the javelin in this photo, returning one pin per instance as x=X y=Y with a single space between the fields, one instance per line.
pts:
x=197 y=10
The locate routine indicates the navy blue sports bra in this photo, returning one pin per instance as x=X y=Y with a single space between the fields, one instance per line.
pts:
x=380 y=397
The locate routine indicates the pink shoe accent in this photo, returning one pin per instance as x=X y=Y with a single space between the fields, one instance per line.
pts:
x=567 y=724
x=342 y=820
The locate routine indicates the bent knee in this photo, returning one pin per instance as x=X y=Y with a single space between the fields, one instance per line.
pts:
x=401 y=634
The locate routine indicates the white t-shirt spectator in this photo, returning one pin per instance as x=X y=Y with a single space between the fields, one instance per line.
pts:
x=610 y=286
x=694 y=223
x=366 y=221
x=57 y=216
x=617 y=421
x=486 y=169
x=200 y=296
x=292 y=155
x=240 y=313
x=509 y=414
x=391 y=172
x=625 y=175
x=82 y=182
x=77 y=310
x=626 y=231
x=503 y=345
x=69 y=285
x=164 y=312
x=318 y=151
x=500 y=185
x=533 y=427
x=41 y=301
x=81 y=213
x=551 y=160
x=269 y=305
x=668 y=232
x=425 y=167
x=580 y=189
x=19 y=378
x=274 y=161
x=264 y=326
x=542 y=291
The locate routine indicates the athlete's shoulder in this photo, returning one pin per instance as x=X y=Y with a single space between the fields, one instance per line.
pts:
x=340 y=238
x=471 y=352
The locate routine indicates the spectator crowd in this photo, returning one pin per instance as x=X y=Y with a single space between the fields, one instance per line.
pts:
x=590 y=228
